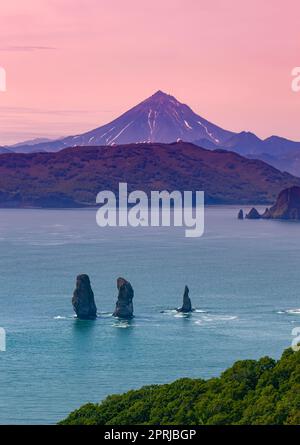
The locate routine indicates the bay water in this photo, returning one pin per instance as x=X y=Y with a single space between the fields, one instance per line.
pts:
x=244 y=284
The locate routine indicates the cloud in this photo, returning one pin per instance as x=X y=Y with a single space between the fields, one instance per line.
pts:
x=26 y=48
x=27 y=110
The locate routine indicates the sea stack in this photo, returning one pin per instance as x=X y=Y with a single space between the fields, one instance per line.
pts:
x=266 y=214
x=241 y=214
x=83 y=299
x=124 y=306
x=253 y=214
x=287 y=205
x=187 y=304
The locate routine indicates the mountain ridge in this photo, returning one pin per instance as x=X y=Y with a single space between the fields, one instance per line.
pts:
x=159 y=118
x=162 y=118
x=74 y=176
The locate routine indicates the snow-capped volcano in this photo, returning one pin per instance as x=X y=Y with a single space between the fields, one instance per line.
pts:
x=160 y=118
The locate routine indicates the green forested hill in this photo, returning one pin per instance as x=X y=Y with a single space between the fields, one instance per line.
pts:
x=250 y=392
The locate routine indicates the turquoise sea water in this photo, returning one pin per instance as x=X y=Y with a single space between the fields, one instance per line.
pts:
x=243 y=278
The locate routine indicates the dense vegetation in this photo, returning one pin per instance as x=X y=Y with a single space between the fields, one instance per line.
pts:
x=250 y=392
x=74 y=176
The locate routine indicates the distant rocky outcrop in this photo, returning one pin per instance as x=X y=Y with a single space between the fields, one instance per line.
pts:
x=266 y=214
x=241 y=214
x=187 y=304
x=124 y=305
x=253 y=214
x=287 y=205
x=83 y=299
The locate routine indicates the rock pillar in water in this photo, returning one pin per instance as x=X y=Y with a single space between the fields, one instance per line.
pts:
x=187 y=304
x=124 y=306
x=253 y=214
x=266 y=214
x=83 y=299
x=241 y=214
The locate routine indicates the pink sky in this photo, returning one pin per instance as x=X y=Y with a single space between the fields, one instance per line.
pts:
x=73 y=65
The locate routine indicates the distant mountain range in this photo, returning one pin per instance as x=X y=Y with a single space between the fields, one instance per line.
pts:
x=279 y=152
x=73 y=177
x=5 y=150
x=30 y=142
x=162 y=118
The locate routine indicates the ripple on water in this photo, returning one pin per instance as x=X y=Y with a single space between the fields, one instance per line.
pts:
x=211 y=319
x=293 y=311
